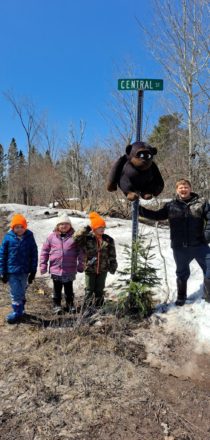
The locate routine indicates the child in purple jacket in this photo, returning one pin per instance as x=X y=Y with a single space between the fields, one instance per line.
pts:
x=65 y=260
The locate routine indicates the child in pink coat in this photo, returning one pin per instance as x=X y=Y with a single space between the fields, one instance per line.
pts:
x=65 y=260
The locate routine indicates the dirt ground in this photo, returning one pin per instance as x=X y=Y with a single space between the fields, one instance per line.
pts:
x=99 y=378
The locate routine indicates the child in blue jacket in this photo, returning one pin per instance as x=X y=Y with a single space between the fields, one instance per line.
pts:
x=18 y=263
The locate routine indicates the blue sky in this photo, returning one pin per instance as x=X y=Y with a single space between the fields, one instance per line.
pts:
x=63 y=54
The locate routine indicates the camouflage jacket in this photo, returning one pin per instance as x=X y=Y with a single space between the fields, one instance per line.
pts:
x=100 y=256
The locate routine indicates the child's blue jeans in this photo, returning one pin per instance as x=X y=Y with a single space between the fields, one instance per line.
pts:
x=18 y=284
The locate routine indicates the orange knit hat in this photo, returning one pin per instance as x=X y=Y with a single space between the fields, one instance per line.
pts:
x=96 y=221
x=18 y=219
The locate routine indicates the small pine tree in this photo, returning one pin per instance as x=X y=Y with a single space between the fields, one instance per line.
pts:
x=136 y=294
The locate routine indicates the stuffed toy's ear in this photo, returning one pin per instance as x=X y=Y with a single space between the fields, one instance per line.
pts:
x=128 y=149
x=154 y=151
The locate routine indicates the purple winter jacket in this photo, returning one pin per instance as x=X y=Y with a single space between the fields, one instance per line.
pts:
x=64 y=255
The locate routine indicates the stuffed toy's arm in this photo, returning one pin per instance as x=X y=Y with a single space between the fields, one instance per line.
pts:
x=115 y=173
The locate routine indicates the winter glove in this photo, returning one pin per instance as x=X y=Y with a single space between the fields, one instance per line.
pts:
x=4 y=278
x=31 y=277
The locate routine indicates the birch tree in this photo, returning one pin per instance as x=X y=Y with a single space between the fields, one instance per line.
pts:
x=179 y=40
x=74 y=165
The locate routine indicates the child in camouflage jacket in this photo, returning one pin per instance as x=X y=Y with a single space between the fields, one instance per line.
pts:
x=100 y=258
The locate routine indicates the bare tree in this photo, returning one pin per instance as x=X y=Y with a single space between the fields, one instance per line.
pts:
x=121 y=114
x=31 y=124
x=75 y=164
x=97 y=166
x=179 y=41
x=49 y=140
x=47 y=183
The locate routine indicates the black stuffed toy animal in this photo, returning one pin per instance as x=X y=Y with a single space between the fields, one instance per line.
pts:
x=136 y=174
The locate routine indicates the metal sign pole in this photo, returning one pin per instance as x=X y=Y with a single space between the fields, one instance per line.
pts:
x=135 y=205
x=139 y=84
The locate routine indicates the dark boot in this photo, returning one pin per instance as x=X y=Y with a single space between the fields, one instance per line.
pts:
x=88 y=307
x=57 y=297
x=99 y=300
x=69 y=297
x=89 y=299
x=70 y=307
x=181 y=292
x=16 y=315
x=57 y=309
x=206 y=289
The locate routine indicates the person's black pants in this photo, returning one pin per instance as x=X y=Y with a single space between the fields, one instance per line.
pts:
x=68 y=292
x=184 y=255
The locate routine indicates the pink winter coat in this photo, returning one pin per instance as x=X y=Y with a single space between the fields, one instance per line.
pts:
x=64 y=255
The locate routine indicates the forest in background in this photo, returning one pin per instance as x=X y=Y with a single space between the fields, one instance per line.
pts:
x=49 y=170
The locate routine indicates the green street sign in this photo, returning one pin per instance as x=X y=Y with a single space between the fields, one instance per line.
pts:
x=140 y=84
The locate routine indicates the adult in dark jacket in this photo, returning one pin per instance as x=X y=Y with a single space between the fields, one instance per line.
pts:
x=189 y=222
x=18 y=263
